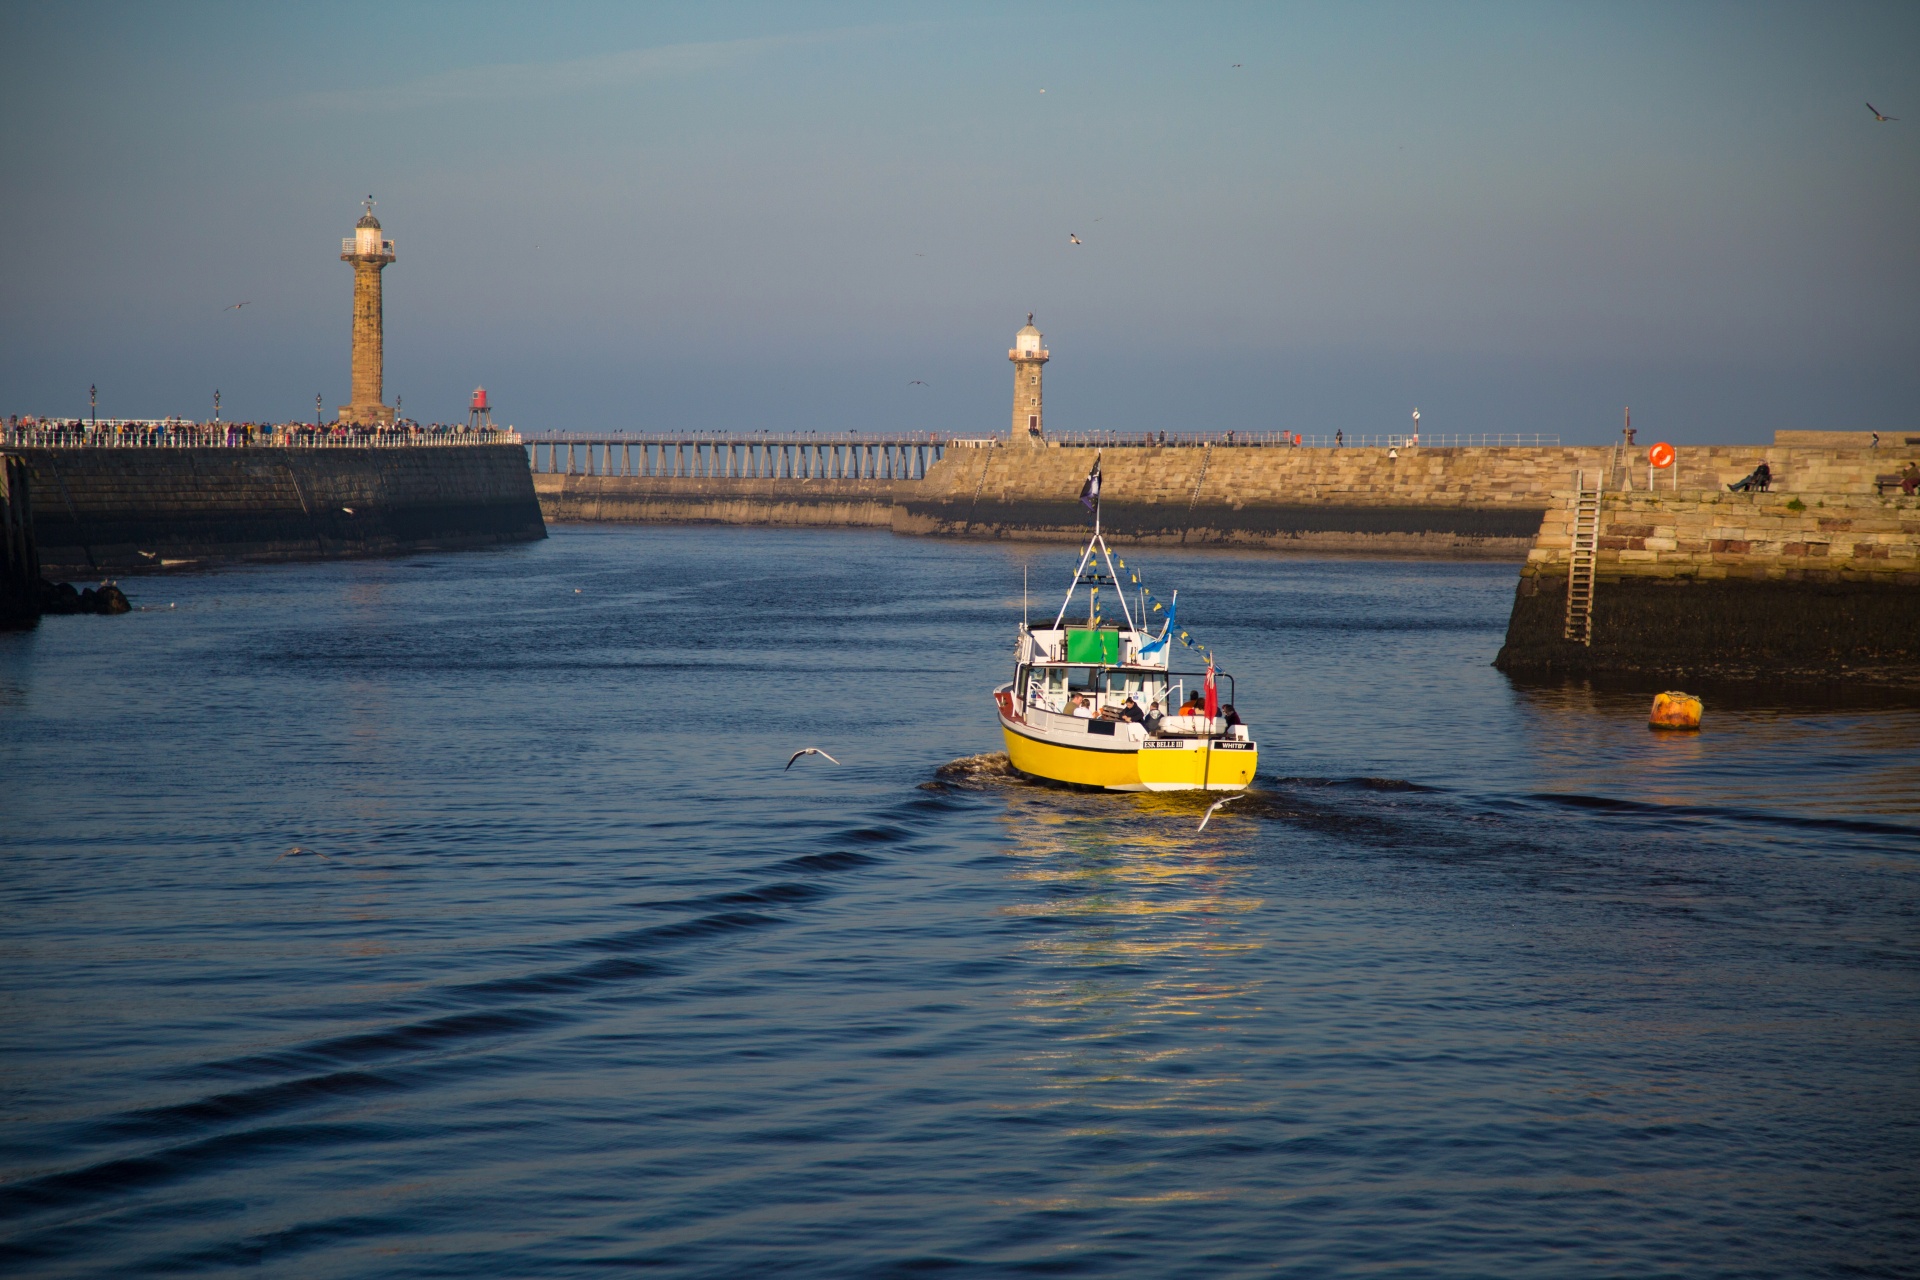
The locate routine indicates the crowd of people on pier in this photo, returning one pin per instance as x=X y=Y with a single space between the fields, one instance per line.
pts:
x=28 y=431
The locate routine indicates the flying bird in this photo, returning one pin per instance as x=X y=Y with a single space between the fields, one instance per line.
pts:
x=348 y=510
x=1215 y=805
x=299 y=850
x=1072 y=237
x=1877 y=116
x=148 y=554
x=916 y=383
x=1236 y=66
x=806 y=751
x=249 y=302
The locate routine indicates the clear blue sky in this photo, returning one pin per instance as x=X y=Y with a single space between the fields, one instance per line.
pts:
x=1517 y=217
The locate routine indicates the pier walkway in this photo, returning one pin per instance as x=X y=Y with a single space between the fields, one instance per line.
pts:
x=758 y=456
x=179 y=433
x=850 y=455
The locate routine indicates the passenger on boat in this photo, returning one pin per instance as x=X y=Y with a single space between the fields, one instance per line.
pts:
x=1193 y=706
x=1152 y=722
x=1231 y=716
x=1130 y=711
x=1079 y=706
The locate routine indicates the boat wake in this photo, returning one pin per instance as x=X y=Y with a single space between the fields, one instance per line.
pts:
x=979 y=772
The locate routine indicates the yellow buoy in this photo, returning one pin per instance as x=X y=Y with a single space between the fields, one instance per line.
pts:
x=1674 y=710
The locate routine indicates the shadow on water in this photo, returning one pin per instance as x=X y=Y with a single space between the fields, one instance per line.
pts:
x=1613 y=692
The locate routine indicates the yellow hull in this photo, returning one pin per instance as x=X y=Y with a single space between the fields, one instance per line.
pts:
x=1177 y=764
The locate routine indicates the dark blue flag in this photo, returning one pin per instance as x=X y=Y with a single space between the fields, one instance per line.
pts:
x=1090 y=491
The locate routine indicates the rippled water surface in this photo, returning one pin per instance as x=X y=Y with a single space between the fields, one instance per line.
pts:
x=571 y=977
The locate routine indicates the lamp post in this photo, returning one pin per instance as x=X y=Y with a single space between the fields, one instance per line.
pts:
x=1416 y=426
x=316 y=408
x=93 y=404
x=216 y=404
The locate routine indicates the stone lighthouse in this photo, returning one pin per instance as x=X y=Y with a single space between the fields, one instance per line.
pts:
x=369 y=254
x=1028 y=354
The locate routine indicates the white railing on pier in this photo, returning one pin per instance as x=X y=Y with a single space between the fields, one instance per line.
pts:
x=721 y=455
x=176 y=433
x=1299 y=440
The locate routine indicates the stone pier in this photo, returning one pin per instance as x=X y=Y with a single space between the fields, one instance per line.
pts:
x=1796 y=585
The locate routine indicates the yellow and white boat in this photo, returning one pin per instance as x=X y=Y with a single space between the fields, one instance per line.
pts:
x=1065 y=714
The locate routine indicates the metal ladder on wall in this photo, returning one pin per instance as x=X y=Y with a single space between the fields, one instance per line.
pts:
x=1581 y=558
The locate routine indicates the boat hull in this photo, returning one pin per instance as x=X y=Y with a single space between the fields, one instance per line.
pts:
x=1158 y=764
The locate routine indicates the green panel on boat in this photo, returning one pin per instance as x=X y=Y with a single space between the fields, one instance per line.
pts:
x=1101 y=647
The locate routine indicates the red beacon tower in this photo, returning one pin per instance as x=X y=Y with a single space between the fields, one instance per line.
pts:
x=479 y=411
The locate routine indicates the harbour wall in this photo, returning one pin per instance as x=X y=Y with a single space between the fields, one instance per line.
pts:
x=719 y=500
x=123 y=509
x=1706 y=585
x=1446 y=502
x=1450 y=502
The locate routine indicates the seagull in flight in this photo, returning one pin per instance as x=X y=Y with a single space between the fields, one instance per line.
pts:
x=1073 y=238
x=1236 y=66
x=1877 y=116
x=348 y=510
x=806 y=751
x=249 y=302
x=916 y=383
x=1215 y=805
x=296 y=850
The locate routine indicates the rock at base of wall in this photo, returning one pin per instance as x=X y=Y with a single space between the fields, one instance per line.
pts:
x=64 y=597
x=1735 y=630
x=1405 y=530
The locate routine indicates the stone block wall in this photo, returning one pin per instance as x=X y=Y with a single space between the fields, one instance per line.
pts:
x=1456 y=502
x=1709 y=585
x=1710 y=535
x=718 y=500
x=119 y=510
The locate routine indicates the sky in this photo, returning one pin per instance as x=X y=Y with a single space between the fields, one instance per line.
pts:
x=746 y=217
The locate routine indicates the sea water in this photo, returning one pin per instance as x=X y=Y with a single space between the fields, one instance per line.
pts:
x=454 y=915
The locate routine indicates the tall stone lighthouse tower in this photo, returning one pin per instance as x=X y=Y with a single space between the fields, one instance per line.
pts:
x=1028 y=354
x=369 y=254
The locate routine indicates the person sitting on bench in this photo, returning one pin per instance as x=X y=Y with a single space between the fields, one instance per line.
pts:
x=1760 y=478
x=1910 y=479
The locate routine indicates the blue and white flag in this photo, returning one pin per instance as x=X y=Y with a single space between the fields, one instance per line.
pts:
x=1158 y=647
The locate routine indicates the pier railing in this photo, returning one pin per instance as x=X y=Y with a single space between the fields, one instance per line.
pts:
x=177 y=433
x=1299 y=440
x=751 y=456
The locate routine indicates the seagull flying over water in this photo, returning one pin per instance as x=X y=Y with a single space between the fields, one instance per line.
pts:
x=1877 y=116
x=806 y=751
x=1072 y=237
x=249 y=302
x=299 y=850
x=1215 y=805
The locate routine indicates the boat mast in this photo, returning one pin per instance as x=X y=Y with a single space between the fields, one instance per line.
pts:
x=1097 y=553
